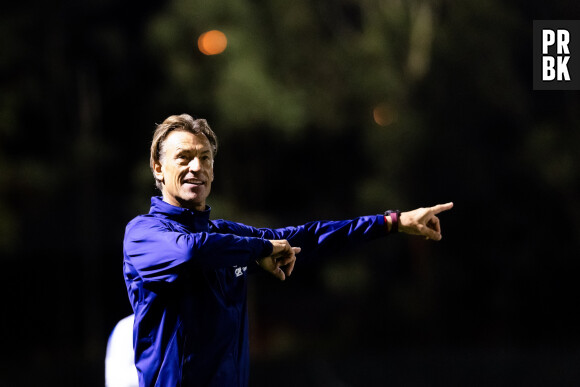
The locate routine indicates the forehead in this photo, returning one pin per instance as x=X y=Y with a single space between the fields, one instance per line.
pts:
x=180 y=139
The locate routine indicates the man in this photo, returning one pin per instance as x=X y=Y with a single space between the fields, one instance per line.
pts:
x=186 y=275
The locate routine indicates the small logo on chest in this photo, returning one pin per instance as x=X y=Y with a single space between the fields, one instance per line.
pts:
x=240 y=270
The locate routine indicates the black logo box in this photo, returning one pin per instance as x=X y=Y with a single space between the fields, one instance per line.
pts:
x=573 y=27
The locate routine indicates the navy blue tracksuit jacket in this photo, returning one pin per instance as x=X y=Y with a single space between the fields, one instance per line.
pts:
x=186 y=277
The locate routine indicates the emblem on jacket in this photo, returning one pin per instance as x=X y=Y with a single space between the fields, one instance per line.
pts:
x=240 y=270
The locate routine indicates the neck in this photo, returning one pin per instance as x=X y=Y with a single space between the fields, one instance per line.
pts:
x=184 y=204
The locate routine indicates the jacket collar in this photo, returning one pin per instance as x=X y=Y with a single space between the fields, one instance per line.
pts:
x=198 y=220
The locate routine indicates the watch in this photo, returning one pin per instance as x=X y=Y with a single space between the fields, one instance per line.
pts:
x=395 y=215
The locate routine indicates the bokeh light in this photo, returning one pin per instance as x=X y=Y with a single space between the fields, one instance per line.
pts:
x=384 y=114
x=212 y=42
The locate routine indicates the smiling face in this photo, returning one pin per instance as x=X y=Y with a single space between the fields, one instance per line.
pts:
x=185 y=169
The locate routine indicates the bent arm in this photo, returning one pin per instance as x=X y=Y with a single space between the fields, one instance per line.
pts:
x=158 y=252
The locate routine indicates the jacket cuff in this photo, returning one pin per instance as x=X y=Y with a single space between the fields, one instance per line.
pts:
x=267 y=249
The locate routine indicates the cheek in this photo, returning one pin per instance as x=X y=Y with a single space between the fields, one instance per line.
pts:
x=173 y=175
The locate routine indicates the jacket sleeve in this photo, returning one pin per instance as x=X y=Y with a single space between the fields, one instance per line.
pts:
x=159 y=253
x=324 y=237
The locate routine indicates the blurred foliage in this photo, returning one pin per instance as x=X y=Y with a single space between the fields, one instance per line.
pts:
x=304 y=77
x=325 y=109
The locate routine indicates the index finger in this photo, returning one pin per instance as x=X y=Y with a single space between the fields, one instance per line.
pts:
x=441 y=207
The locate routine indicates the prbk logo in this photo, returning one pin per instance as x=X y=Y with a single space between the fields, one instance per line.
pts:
x=556 y=55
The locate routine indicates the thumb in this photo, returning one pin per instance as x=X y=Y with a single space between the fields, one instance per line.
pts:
x=279 y=273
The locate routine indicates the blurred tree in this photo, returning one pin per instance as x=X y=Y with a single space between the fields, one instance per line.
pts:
x=304 y=78
x=324 y=109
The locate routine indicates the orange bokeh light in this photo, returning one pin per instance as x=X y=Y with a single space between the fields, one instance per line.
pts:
x=384 y=114
x=212 y=42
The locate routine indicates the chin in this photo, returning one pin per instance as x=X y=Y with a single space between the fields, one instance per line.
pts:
x=192 y=202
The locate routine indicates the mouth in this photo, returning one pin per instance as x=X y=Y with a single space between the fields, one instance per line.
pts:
x=194 y=182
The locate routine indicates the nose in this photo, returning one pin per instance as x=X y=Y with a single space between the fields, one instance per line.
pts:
x=195 y=164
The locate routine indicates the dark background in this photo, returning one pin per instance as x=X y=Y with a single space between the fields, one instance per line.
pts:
x=84 y=83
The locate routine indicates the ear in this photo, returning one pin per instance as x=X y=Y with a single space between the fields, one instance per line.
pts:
x=158 y=171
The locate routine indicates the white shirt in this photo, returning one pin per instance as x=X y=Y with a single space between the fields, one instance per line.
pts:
x=120 y=368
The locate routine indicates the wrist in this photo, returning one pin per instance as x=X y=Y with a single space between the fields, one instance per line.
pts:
x=392 y=218
x=267 y=250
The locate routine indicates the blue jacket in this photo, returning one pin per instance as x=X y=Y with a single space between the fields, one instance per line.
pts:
x=186 y=277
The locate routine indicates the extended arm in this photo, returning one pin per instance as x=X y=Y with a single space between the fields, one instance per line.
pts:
x=326 y=237
x=322 y=237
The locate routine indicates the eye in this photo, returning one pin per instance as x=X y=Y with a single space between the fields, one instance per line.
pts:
x=181 y=157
